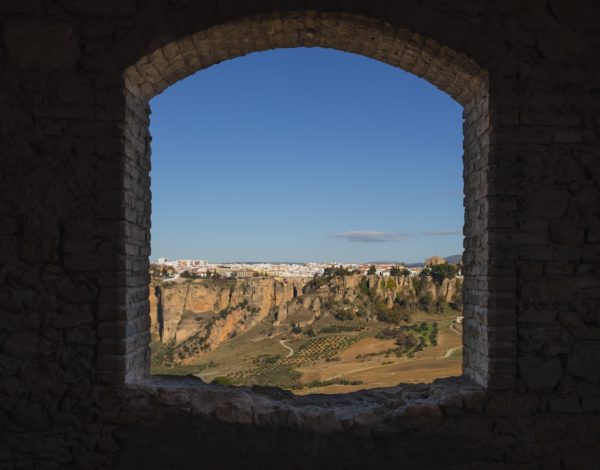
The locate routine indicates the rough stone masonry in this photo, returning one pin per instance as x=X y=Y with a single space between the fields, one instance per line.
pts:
x=75 y=80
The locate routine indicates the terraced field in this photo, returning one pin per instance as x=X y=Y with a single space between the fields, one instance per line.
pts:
x=320 y=349
x=273 y=370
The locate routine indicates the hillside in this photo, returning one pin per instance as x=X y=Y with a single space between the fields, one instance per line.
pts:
x=190 y=317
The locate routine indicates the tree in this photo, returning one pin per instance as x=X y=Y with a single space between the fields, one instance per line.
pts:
x=186 y=275
x=439 y=272
x=372 y=270
x=426 y=301
x=399 y=271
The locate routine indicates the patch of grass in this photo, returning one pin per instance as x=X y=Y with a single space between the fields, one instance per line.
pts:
x=178 y=369
x=223 y=380
x=457 y=353
x=163 y=354
x=281 y=376
x=328 y=383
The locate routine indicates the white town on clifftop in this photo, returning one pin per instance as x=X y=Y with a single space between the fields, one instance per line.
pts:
x=200 y=268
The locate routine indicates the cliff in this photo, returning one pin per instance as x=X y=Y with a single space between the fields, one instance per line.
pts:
x=198 y=315
x=216 y=309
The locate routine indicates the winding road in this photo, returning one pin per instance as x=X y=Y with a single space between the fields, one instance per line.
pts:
x=291 y=351
x=455 y=330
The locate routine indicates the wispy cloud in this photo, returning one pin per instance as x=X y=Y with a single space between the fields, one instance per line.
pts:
x=367 y=236
x=442 y=233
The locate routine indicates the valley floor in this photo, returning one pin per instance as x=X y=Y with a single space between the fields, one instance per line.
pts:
x=341 y=357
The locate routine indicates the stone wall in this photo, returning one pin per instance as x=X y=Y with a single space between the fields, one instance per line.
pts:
x=75 y=77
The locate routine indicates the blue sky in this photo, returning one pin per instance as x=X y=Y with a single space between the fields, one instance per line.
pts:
x=306 y=155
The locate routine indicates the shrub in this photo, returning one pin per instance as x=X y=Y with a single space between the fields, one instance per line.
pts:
x=394 y=315
x=272 y=359
x=343 y=315
x=310 y=332
x=223 y=380
x=363 y=287
x=426 y=302
x=406 y=340
x=223 y=313
x=418 y=285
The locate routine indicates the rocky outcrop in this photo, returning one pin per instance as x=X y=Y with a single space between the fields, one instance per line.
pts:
x=217 y=309
x=198 y=315
x=434 y=261
x=449 y=289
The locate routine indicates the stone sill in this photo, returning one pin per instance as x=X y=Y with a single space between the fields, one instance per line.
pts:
x=366 y=412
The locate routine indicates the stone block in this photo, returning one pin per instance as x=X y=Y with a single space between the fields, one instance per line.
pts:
x=83 y=335
x=584 y=360
x=540 y=373
x=44 y=45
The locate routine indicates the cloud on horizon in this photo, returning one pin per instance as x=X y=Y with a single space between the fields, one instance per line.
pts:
x=368 y=236
x=442 y=233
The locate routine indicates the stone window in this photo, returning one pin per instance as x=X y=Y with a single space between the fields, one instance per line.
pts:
x=489 y=315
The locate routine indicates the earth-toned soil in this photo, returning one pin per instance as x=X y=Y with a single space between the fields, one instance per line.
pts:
x=342 y=356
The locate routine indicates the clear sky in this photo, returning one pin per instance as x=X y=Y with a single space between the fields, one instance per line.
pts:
x=306 y=155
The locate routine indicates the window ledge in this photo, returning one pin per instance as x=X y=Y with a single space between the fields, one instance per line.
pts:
x=365 y=412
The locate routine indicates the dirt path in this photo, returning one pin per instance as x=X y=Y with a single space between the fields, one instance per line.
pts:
x=291 y=351
x=450 y=352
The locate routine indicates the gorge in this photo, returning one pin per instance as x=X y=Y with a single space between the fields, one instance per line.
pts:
x=196 y=319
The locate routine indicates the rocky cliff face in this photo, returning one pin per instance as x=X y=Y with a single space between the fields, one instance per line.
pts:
x=199 y=315
x=215 y=310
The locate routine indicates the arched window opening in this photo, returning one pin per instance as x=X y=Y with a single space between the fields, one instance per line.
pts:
x=347 y=142
x=452 y=72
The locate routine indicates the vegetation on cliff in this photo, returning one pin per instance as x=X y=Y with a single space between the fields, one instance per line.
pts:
x=324 y=316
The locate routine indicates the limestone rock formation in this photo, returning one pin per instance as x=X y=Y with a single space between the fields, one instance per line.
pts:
x=434 y=260
x=199 y=315
x=218 y=309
